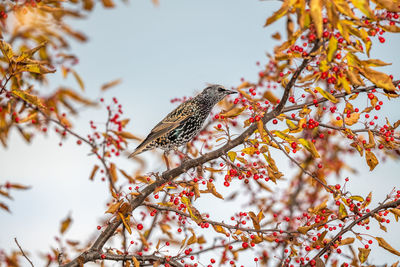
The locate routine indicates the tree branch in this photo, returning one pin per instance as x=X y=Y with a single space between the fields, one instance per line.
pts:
x=173 y=173
x=23 y=253
x=392 y=204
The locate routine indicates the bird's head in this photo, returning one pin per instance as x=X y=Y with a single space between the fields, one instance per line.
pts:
x=214 y=93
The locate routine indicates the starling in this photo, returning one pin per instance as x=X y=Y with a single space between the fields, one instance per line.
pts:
x=184 y=122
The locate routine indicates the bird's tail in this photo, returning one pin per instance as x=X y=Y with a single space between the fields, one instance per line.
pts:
x=137 y=151
x=142 y=147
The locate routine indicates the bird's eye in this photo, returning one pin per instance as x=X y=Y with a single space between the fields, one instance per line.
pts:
x=220 y=89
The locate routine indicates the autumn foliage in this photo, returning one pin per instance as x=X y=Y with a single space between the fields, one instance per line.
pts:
x=317 y=102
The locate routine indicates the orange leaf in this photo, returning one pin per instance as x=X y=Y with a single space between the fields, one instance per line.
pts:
x=385 y=245
x=316 y=15
x=372 y=161
x=65 y=224
x=93 y=173
x=108 y=4
x=135 y=262
x=114 y=207
x=108 y=85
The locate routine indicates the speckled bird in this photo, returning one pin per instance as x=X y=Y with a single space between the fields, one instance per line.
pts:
x=183 y=123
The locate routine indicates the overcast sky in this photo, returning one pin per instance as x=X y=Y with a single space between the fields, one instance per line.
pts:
x=160 y=53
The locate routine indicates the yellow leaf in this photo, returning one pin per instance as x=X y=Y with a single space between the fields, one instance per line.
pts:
x=6 y=50
x=385 y=245
x=78 y=79
x=232 y=155
x=352 y=119
x=390 y=5
x=234 y=112
x=363 y=254
x=31 y=99
x=124 y=221
x=346 y=85
x=316 y=15
x=93 y=173
x=108 y=85
x=326 y=94
x=357 y=198
x=363 y=6
x=136 y=263
x=278 y=14
x=342 y=211
x=344 y=8
x=29 y=53
x=35 y=68
x=291 y=124
x=249 y=150
x=380 y=79
x=65 y=224
x=219 y=229
x=310 y=147
x=372 y=161
x=333 y=42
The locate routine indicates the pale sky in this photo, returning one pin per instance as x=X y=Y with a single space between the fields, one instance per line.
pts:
x=160 y=53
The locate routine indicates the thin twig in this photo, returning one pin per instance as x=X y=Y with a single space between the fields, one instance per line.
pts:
x=228 y=226
x=393 y=204
x=23 y=253
x=298 y=164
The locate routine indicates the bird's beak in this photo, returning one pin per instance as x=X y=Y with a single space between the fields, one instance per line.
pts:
x=230 y=92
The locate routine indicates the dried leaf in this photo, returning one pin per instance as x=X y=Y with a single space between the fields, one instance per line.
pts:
x=93 y=173
x=108 y=85
x=65 y=224
x=310 y=147
x=354 y=117
x=219 y=229
x=78 y=79
x=232 y=155
x=108 y=4
x=4 y=206
x=385 y=245
x=31 y=99
x=136 y=263
x=380 y=79
x=363 y=254
x=234 y=112
x=113 y=172
x=278 y=14
x=342 y=211
x=326 y=95
x=372 y=161
x=333 y=43
x=254 y=218
x=114 y=207
x=316 y=15
x=125 y=221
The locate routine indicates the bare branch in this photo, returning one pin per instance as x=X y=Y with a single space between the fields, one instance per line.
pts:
x=22 y=251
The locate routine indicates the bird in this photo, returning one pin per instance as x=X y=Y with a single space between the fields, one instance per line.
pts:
x=183 y=123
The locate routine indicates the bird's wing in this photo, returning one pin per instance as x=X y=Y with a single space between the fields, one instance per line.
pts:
x=170 y=122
